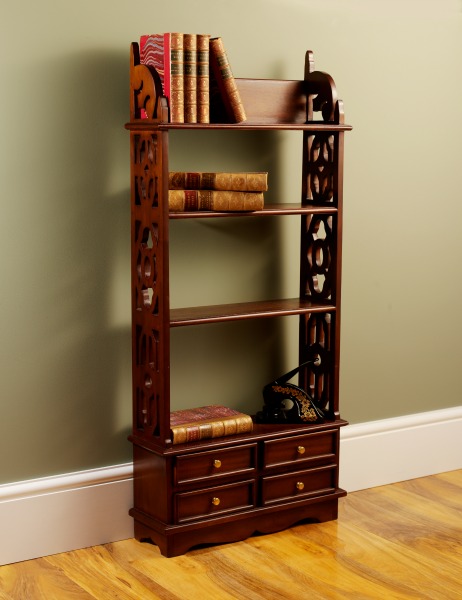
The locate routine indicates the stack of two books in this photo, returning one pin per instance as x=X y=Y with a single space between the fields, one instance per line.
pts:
x=227 y=192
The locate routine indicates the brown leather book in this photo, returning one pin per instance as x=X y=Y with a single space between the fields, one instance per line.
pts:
x=212 y=421
x=215 y=200
x=203 y=78
x=239 y=182
x=223 y=79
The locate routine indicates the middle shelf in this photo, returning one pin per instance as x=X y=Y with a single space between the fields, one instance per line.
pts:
x=268 y=210
x=199 y=315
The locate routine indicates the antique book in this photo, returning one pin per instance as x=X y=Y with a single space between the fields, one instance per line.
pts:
x=239 y=182
x=203 y=78
x=214 y=200
x=164 y=52
x=223 y=79
x=207 y=422
x=190 y=77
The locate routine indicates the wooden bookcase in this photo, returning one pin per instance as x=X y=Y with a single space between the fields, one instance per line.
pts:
x=226 y=489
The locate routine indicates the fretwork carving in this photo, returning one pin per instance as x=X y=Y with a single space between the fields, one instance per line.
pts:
x=144 y=170
x=320 y=168
x=317 y=256
x=321 y=92
x=316 y=342
x=147 y=364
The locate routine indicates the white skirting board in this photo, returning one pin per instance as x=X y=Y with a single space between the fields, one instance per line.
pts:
x=66 y=512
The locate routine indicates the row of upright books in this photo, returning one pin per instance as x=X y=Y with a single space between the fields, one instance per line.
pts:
x=196 y=77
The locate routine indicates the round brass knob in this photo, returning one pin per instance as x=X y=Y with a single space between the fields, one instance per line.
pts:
x=301 y=449
x=215 y=501
x=217 y=463
x=300 y=485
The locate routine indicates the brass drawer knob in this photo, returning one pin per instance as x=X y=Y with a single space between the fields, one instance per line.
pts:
x=217 y=463
x=301 y=450
x=299 y=485
x=215 y=501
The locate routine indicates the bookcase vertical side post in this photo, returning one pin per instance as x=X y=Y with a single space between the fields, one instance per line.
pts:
x=320 y=266
x=150 y=285
x=339 y=138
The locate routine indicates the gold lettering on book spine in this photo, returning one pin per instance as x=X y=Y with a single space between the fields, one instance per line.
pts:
x=203 y=83
x=190 y=77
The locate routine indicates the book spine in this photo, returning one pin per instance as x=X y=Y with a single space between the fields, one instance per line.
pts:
x=190 y=77
x=177 y=78
x=203 y=78
x=214 y=200
x=239 y=182
x=220 y=428
x=224 y=78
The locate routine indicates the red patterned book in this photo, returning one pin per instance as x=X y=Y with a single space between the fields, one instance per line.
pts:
x=239 y=182
x=214 y=200
x=203 y=78
x=224 y=80
x=207 y=422
x=164 y=52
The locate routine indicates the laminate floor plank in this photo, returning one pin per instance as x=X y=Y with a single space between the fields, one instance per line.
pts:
x=396 y=542
x=38 y=580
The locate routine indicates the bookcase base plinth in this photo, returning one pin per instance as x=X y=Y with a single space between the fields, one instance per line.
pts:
x=175 y=540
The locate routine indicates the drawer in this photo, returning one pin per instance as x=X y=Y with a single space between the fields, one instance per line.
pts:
x=213 y=464
x=214 y=501
x=301 y=484
x=315 y=448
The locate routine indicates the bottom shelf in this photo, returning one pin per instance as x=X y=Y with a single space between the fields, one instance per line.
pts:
x=174 y=540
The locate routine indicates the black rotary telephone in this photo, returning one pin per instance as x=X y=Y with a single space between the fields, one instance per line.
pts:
x=287 y=403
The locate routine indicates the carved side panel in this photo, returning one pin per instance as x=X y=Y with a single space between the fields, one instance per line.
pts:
x=321 y=241
x=149 y=280
x=318 y=255
x=317 y=341
x=319 y=187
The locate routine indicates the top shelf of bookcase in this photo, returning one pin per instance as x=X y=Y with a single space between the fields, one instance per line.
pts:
x=247 y=125
x=310 y=104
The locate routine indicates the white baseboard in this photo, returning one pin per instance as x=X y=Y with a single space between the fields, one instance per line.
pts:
x=66 y=512
x=58 y=514
x=391 y=450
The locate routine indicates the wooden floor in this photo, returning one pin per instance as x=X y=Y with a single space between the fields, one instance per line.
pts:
x=392 y=542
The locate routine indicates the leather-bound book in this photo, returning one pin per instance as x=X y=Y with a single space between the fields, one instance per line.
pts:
x=222 y=78
x=207 y=422
x=214 y=200
x=239 y=182
x=203 y=78
x=190 y=77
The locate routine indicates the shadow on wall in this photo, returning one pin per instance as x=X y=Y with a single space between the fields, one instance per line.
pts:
x=74 y=402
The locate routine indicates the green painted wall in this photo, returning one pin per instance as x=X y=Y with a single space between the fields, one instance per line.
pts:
x=64 y=240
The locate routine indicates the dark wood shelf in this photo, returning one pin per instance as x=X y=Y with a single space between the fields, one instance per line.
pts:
x=268 y=210
x=321 y=126
x=260 y=432
x=200 y=315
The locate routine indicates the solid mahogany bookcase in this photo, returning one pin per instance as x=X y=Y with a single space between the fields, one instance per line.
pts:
x=225 y=489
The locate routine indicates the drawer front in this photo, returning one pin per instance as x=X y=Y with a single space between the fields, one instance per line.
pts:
x=213 y=464
x=314 y=448
x=214 y=501
x=311 y=482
